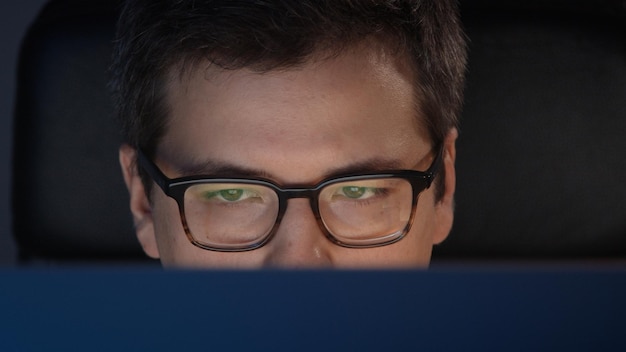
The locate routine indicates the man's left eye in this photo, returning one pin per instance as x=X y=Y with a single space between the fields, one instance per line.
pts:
x=355 y=192
x=232 y=194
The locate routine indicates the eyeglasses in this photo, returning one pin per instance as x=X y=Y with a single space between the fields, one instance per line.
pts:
x=241 y=214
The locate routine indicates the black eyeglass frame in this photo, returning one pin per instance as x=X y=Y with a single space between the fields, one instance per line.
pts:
x=175 y=188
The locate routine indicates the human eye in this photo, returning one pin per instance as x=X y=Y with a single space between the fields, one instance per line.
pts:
x=358 y=192
x=232 y=195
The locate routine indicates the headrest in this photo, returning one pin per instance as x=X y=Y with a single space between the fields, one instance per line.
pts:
x=540 y=164
x=69 y=199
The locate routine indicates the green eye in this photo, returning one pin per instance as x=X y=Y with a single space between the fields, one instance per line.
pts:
x=231 y=195
x=354 y=192
x=225 y=195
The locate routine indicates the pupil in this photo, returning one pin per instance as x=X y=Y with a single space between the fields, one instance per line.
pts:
x=231 y=194
x=353 y=191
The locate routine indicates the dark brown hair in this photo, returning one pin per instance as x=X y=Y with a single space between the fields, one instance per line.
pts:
x=155 y=36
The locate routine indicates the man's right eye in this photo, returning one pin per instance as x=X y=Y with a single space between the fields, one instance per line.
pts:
x=232 y=195
x=229 y=195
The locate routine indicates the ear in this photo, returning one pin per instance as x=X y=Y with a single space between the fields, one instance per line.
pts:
x=139 y=204
x=445 y=207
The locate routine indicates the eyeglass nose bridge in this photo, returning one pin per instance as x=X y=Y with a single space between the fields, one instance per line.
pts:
x=299 y=193
x=290 y=193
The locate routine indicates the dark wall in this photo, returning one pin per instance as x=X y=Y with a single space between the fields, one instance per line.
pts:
x=15 y=16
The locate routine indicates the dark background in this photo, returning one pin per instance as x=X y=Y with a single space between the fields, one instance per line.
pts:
x=15 y=16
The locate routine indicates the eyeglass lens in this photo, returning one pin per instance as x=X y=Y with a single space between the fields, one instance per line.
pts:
x=361 y=212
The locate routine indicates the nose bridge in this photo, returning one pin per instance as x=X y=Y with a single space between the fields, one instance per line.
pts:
x=300 y=193
x=308 y=193
x=299 y=240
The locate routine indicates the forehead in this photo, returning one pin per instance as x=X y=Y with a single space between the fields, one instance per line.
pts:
x=357 y=106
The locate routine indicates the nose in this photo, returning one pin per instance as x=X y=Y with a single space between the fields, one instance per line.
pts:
x=299 y=242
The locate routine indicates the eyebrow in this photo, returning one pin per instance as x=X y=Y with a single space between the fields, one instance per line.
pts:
x=218 y=168
x=213 y=168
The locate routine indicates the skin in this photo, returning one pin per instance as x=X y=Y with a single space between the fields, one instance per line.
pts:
x=295 y=126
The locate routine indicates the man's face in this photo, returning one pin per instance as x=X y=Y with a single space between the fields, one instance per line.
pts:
x=295 y=127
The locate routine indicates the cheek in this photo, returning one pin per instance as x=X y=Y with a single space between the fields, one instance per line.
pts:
x=176 y=251
x=413 y=251
x=168 y=228
x=419 y=240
